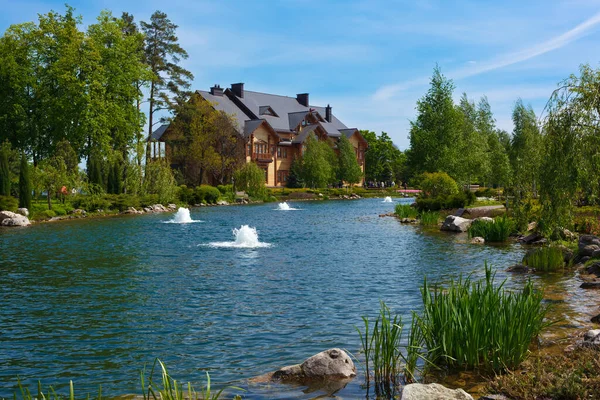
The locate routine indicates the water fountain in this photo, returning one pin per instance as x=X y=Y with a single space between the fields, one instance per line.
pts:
x=245 y=237
x=285 y=207
x=388 y=199
x=182 y=217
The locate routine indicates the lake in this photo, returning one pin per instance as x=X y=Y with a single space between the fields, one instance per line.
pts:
x=94 y=300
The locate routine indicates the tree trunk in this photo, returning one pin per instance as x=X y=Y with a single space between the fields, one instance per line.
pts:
x=48 y=198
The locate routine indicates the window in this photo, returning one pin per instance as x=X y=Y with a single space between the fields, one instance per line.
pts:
x=281 y=152
x=282 y=176
x=266 y=176
x=260 y=148
x=249 y=149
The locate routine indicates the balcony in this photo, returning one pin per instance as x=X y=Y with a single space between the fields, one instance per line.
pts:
x=262 y=158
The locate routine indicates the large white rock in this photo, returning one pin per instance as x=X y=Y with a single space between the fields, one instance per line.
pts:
x=592 y=338
x=328 y=364
x=8 y=218
x=23 y=211
x=453 y=223
x=419 y=391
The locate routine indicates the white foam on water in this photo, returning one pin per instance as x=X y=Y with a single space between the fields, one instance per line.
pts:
x=181 y=217
x=245 y=238
x=285 y=207
x=388 y=199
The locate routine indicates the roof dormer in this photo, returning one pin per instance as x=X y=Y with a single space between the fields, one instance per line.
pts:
x=267 y=110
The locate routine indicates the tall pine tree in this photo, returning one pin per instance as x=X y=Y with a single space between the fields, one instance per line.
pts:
x=24 y=183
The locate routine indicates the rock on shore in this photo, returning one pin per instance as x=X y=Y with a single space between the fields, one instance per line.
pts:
x=8 y=218
x=453 y=223
x=419 y=391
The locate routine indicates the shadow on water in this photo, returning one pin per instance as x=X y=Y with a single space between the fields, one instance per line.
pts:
x=93 y=301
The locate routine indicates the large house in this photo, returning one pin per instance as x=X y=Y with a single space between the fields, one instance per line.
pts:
x=274 y=128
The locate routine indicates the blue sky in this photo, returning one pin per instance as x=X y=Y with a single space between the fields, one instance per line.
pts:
x=371 y=60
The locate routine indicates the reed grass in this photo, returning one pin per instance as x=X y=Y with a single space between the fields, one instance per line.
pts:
x=480 y=325
x=405 y=211
x=50 y=393
x=545 y=259
x=497 y=230
x=382 y=347
x=429 y=218
x=168 y=388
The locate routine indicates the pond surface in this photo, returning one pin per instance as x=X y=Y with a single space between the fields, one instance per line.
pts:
x=93 y=301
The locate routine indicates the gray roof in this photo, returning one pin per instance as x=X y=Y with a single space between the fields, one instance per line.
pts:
x=157 y=134
x=248 y=112
x=348 y=132
x=304 y=134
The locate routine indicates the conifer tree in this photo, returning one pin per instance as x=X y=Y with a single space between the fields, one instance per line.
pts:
x=24 y=184
x=4 y=173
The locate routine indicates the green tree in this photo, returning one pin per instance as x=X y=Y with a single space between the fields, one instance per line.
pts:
x=435 y=134
x=163 y=54
x=526 y=150
x=251 y=179
x=50 y=176
x=499 y=172
x=295 y=175
x=383 y=161
x=348 y=169
x=4 y=172
x=159 y=180
x=472 y=156
x=24 y=183
x=318 y=163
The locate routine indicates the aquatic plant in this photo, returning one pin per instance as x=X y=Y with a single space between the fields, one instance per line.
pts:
x=497 y=230
x=168 y=388
x=383 y=353
x=478 y=325
x=405 y=211
x=50 y=394
x=545 y=259
x=429 y=218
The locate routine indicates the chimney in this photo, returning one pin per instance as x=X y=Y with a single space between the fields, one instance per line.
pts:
x=328 y=113
x=238 y=89
x=216 y=90
x=302 y=99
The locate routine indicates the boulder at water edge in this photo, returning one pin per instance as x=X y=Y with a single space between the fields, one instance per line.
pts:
x=8 y=218
x=592 y=338
x=456 y=224
x=419 y=391
x=478 y=240
x=332 y=364
x=23 y=211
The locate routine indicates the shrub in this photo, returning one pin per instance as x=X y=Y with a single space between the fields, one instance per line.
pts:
x=225 y=189
x=149 y=200
x=545 y=259
x=405 y=211
x=457 y=200
x=486 y=192
x=8 y=203
x=123 y=201
x=429 y=203
x=206 y=193
x=476 y=324
x=497 y=230
x=46 y=214
x=438 y=184
x=251 y=179
x=186 y=194
x=91 y=202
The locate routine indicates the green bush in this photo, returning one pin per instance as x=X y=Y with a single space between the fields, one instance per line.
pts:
x=486 y=192
x=91 y=203
x=405 y=211
x=46 y=214
x=149 y=200
x=225 y=189
x=429 y=203
x=479 y=325
x=251 y=179
x=438 y=184
x=545 y=259
x=497 y=230
x=206 y=193
x=122 y=202
x=186 y=194
x=457 y=200
x=8 y=203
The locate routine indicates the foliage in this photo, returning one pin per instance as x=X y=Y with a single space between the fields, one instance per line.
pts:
x=159 y=180
x=348 y=169
x=186 y=194
x=205 y=141
x=162 y=55
x=8 y=203
x=476 y=324
x=429 y=218
x=458 y=200
x=406 y=211
x=318 y=163
x=589 y=225
x=574 y=375
x=545 y=259
x=434 y=134
x=486 y=192
x=497 y=230
x=383 y=161
x=51 y=175
x=206 y=194
x=295 y=175
x=24 y=183
x=438 y=184
x=251 y=179
x=4 y=172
